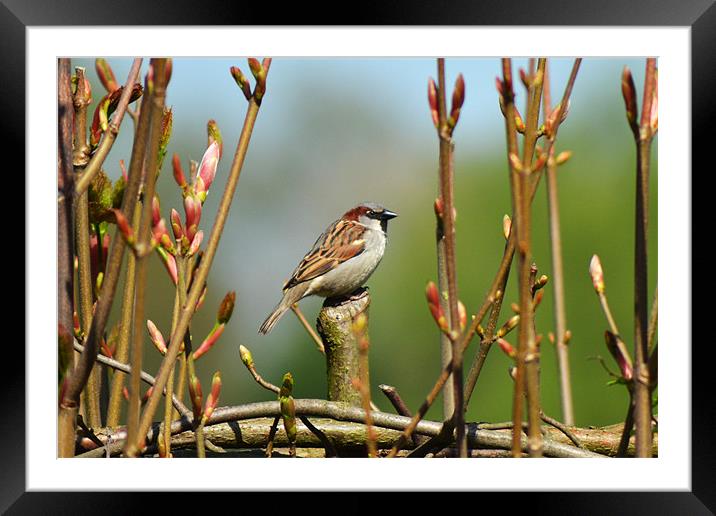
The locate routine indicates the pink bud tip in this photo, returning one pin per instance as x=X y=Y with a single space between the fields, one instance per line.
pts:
x=170 y=263
x=196 y=242
x=156 y=212
x=192 y=209
x=123 y=225
x=207 y=168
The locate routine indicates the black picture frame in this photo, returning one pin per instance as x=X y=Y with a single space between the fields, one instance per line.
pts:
x=17 y=15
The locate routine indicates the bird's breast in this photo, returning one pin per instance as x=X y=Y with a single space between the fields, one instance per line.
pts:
x=353 y=273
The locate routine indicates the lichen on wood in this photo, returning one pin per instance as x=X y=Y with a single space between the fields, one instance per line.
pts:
x=334 y=325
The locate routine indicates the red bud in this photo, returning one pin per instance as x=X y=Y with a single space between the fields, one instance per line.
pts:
x=170 y=264
x=629 y=94
x=507 y=348
x=241 y=81
x=433 y=101
x=524 y=78
x=618 y=350
x=179 y=176
x=226 y=308
x=177 y=227
x=213 y=398
x=156 y=212
x=433 y=297
x=458 y=98
x=207 y=170
x=195 y=395
x=123 y=225
x=106 y=75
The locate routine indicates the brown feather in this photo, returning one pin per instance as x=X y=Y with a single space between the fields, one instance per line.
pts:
x=339 y=243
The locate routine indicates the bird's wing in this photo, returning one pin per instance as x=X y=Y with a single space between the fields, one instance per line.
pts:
x=339 y=243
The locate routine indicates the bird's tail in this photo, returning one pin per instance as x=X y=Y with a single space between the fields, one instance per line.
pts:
x=290 y=296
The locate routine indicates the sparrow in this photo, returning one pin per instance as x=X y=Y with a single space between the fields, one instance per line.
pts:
x=341 y=260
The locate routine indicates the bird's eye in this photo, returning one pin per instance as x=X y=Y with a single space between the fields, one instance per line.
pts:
x=371 y=213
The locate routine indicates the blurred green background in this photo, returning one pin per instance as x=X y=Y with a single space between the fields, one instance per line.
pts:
x=335 y=132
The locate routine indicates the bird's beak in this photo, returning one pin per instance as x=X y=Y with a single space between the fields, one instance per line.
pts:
x=387 y=215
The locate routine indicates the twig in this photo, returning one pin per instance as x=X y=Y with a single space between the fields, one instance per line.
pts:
x=642 y=389
x=327 y=444
x=399 y=405
x=157 y=95
x=146 y=377
x=628 y=426
x=528 y=354
x=271 y=436
x=308 y=328
x=562 y=428
x=508 y=99
x=248 y=361
x=168 y=412
x=560 y=311
x=653 y=347
x=445 y=436
x=65 y=254
x=203 y=270
x=200 y=444
x=125 y=325
x=95 y=164
x=501 y=426
x=81 y=99
x=499 y=284
x=360 y=330
x=653 y=321
x=184 y=266
x=447 y=221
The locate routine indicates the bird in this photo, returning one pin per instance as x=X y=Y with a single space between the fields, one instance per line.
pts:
x=340 y=261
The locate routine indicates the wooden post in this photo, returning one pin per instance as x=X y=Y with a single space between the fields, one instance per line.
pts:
x=334 y=326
